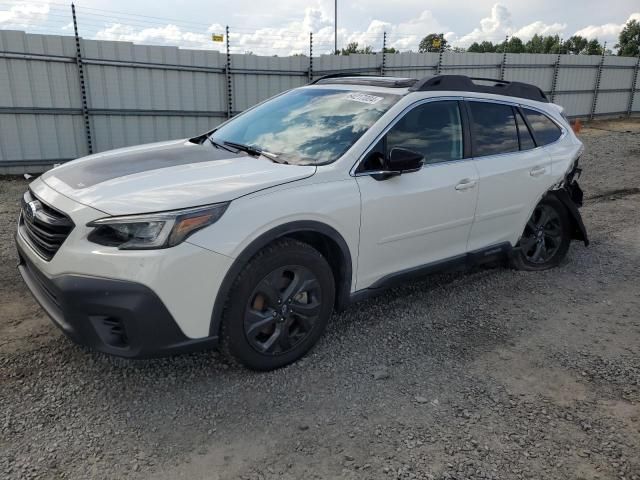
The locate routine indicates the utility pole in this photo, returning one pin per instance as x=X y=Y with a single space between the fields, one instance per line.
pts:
x=335 y=27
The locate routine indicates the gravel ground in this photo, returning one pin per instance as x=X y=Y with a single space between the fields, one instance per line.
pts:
x=493 y=374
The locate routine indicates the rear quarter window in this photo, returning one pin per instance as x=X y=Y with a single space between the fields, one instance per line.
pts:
x=544 y=129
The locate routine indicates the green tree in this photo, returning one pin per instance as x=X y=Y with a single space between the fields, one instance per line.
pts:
x=474 y=48
x=426 y=44
x=483 y=47
x=513 y=45
x=391 y=50
x=551 y=44
x=350 y=48
x=535 y=44
x=629 y=39
x=353 y=47
x=576 y=45
x=594 y=48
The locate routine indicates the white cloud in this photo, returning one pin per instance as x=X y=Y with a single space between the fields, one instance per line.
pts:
x=493 y=28
x=499 y=24
x=292 y=36
x=167 y=35
x=407 y=35
x=608 y=31
x=287 y=40
x=24 y=15
x=541 y=28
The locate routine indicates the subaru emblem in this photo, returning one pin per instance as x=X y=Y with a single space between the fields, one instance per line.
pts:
x=32 y=209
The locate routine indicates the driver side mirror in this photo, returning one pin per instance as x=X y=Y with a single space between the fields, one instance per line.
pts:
x=403 y=160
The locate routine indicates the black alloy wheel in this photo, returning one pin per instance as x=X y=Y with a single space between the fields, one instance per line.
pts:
x=282 y=310
x=278 y=306
x=542 y=236
x=546 y=237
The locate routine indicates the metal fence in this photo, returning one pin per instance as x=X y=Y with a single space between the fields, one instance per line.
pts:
x=62 y=97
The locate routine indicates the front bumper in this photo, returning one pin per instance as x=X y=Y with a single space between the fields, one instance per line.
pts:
x=117 y=317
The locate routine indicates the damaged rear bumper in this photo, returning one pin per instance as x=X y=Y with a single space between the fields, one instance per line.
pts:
x=571 y=197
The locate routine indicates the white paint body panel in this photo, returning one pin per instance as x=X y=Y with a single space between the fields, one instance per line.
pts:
x=388 y=226
x=509 y=184
x=184 y=277
x=176 y=187
x=414 y=219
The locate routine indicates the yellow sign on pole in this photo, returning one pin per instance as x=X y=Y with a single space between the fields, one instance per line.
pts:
x=217 y=37
x=436 y=42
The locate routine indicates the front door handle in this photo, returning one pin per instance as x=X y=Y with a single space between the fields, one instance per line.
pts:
x=537 y=171
x=465 y=184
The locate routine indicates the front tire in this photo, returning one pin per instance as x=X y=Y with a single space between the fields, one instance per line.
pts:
x=278 y=307
x=546 y=237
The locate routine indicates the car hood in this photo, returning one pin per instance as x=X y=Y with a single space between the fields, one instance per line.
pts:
x=166 y=176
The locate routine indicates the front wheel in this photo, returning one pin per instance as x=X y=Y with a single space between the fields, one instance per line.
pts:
x=278 y=306
x=546 y=237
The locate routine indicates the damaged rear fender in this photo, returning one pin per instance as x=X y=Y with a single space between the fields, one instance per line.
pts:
x=571 y=197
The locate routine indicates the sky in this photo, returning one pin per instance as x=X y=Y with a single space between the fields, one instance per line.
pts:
x=282 y=27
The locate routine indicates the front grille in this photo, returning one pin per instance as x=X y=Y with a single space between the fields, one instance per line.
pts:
x=42 y=226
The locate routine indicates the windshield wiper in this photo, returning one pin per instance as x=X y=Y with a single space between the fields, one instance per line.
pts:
x=218 y=145
x=255 y=151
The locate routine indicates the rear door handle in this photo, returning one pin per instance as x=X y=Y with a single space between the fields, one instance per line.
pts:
x=465 y=184
x=537 y=171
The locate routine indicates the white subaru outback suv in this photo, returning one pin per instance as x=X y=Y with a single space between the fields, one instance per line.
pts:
x=248 y=237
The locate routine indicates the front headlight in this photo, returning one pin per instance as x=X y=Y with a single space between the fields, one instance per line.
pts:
x=154 y=230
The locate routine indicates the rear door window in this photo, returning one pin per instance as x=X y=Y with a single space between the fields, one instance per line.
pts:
x=544 y=129
x=493 y=128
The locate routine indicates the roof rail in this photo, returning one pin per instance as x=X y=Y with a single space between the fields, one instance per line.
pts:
x=370 y=80
x=334 y=75
x=463 y=83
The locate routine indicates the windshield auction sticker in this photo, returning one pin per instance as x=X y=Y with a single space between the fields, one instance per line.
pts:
x=363 y=98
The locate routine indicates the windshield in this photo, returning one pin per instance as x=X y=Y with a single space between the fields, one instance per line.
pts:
x=308 y=125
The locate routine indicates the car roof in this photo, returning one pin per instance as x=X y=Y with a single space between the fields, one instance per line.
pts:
x=439 y=83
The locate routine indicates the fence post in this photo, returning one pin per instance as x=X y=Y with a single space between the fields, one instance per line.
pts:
x=634 y=84
x=556 y=72
x=228 y=72
x=594 y=104
x=83 y=88
x=384 y=53
x=503 y=65
x=440 y=54
x=310 y=56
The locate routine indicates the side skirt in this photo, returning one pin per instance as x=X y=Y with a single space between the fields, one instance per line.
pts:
x=494 y=254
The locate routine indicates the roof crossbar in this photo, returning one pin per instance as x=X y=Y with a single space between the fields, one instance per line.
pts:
x=462 y=83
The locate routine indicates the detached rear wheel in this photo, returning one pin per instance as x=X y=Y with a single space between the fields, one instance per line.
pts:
x=546 y=237
x=278 y=306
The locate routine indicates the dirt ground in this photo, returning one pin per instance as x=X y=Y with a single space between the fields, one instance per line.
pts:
x=494 y=374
